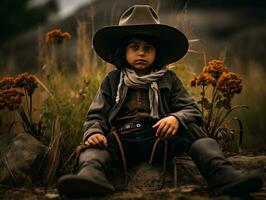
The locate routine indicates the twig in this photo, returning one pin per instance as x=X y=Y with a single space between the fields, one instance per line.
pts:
x=241 y=131
x=9 y=170
x=228 y=112
x=44 y=87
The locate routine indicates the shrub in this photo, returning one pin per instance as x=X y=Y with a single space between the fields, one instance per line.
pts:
x=218 y=87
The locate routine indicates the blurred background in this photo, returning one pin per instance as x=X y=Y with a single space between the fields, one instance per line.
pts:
x=233 y=31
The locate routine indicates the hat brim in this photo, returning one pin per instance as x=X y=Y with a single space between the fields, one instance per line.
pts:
x=173 y=43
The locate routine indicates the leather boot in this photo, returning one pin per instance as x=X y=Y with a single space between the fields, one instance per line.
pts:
x=91 y=179
x=221 y=177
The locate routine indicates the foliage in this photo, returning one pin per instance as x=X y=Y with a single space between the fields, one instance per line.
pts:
x=64 y=110
x=217 y=107
x=13 y=90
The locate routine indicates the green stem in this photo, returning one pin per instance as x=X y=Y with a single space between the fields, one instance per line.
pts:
x=27 y=101
x=214 y=92
x=24 y=118
x=216 y=119
x=202 y=97
x=202 y=107
x=219 y=124
x=27 y=124
x=30 y=108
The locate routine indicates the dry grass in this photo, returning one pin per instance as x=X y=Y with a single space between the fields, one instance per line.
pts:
x=254 y=95
x=66 y=95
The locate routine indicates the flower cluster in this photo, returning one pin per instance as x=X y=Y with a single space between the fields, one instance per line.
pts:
x=10 y=98
x=26 y=81
x=229 y=84
x=203 y=80
x=56 y=36
x=216 y=103
x=224 y=81
x=215 y=68
x=7 y=83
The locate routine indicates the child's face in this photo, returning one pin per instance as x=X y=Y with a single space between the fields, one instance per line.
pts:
x=140 y=54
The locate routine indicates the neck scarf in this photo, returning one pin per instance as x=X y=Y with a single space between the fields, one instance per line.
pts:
x=132 y=80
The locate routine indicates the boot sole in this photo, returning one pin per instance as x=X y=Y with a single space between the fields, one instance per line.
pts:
x=75 y=186
x=243 y=187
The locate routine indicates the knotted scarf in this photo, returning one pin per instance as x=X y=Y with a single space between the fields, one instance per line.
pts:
x=132 y=80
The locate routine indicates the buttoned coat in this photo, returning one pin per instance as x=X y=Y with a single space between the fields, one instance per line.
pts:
x=173 y=100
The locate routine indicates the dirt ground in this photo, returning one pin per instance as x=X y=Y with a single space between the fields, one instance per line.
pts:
x=185 y=192
x=181 y=192
x=139 y=188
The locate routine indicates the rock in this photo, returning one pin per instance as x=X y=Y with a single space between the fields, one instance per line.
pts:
x=21 y=157
x=182 y=173
x=187 y=172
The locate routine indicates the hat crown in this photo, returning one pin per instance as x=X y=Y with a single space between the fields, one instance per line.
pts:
x=140 y=20
x=139 y=15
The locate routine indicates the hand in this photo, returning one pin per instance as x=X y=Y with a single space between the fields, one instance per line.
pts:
x=166 y=127
x=96 y=140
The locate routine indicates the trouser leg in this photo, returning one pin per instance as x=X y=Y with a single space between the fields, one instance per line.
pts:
x=91 y=178
x=219 y=173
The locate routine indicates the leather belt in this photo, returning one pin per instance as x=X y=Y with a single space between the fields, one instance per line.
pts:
x=131 y=125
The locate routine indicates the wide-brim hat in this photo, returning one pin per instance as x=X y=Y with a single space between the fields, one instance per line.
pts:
x=141 y=20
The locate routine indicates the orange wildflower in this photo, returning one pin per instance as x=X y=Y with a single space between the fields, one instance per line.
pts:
x=202 y=79
x=229 y=84
x=56 y=36
x=215 y=68
x=26 y=81
x=10 y=98
x=6 y=83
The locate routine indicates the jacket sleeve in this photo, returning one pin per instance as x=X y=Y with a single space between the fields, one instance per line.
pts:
x=97 y=115
x=183 y=106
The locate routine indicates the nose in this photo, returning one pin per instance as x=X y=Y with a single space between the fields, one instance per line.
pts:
x=141 y=51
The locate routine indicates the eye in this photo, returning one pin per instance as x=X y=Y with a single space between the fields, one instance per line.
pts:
x=134 y=47
x=149 y=48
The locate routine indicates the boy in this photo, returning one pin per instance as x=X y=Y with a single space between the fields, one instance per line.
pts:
x=142 y=101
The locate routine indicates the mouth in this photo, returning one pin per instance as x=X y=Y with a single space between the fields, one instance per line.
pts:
x=140 y=61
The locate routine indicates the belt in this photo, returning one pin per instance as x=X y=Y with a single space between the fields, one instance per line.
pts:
x=132 y=125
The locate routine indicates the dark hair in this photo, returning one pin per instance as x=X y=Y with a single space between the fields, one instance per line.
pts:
x=119 y=57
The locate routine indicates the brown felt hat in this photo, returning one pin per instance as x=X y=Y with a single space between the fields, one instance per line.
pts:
x=141 y=20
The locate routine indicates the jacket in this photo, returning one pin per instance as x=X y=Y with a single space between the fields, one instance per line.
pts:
x=173 y=100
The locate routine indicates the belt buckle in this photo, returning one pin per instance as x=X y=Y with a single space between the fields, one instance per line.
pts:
x=125 y=127
x=130 y=126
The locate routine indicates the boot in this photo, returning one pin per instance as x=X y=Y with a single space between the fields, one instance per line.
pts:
x=91 y=179
x=221 y=177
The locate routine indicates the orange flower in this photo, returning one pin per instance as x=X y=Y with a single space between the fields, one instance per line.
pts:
x=216 y=63
x=206 y=69
x=26 y=81
x=56 y=36
x=202 y=79
x=10 y=98
x=6 y=83
x=229 y=84
x=215 y=68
